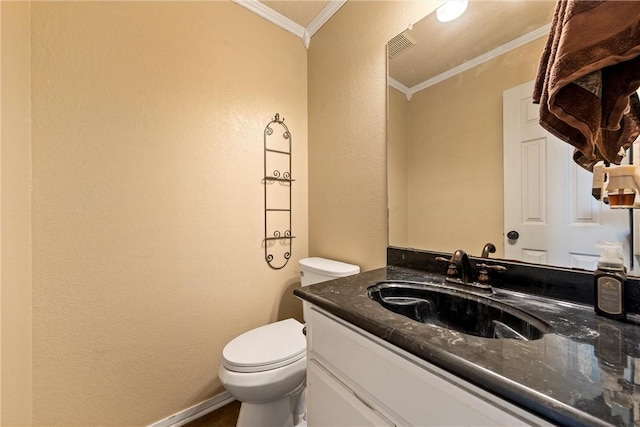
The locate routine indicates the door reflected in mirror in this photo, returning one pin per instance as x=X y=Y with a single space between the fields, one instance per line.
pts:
x=446 y=173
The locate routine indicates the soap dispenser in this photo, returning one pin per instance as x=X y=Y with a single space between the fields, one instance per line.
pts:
x=609 y=281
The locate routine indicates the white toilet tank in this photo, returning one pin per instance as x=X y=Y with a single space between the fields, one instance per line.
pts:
x=316 y=270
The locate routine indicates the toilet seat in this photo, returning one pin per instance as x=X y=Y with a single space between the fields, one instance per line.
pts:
x=266 y=347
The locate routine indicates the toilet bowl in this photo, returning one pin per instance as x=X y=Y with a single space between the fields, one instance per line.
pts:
x=264 y=368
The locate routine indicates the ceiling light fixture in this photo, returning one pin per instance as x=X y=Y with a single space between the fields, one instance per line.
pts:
x=451 y=10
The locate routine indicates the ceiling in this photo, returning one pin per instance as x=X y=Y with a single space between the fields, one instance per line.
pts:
x=300 y=17
x=300 y=12
x=486 y=26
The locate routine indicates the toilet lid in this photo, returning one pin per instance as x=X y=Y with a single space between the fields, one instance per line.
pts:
x=265 y=348
x=329 y=267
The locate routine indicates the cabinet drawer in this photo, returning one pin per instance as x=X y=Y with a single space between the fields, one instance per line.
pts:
x=409 y=391
x=332 y=403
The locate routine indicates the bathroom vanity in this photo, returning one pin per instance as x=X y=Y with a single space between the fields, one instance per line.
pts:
x=357 y=379
x=368 y=365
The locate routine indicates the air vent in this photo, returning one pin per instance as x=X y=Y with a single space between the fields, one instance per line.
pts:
x=399 y=44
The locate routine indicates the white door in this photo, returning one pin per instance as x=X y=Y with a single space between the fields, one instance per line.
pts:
x=547 y=197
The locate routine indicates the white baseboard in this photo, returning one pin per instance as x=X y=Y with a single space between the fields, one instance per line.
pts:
x=196 y=411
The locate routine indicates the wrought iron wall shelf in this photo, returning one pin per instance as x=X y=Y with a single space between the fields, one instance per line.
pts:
x=277 y=183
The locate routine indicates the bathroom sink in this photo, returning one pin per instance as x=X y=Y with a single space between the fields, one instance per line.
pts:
x=461 y=311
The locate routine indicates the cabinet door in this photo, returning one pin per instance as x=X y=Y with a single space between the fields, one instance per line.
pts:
x=331 y=403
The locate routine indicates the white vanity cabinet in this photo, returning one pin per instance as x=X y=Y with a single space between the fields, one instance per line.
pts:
x=357 y=379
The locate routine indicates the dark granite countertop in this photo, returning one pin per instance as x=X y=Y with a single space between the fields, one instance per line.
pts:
x=586 y=371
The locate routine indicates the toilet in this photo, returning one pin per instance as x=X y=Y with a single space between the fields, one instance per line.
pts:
x=264 y=368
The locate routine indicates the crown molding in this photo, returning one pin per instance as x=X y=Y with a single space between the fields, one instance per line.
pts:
x=325 y=14
x=285 y=23
x=272 y=16
x=500 y=50
x=402 y=88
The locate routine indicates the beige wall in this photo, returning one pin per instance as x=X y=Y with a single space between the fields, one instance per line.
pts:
x=15 y=211
x=347 y=129
x=147 y=218
x=455 y=155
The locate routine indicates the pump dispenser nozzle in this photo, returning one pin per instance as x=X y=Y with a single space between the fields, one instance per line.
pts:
x=611 y=254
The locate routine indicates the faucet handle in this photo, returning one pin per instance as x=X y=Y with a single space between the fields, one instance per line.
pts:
x=483 y=272
x=452 y=271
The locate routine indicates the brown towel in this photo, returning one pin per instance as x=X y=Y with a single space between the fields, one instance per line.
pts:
x=589 y=68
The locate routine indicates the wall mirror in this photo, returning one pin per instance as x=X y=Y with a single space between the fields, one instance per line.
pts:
x=446 y=164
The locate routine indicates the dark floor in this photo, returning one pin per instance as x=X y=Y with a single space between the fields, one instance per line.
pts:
x=227 y=416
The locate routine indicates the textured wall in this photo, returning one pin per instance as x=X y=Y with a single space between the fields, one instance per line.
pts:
x=15 y=225
x=147 y=196
x=347 y=129
x=148 y=201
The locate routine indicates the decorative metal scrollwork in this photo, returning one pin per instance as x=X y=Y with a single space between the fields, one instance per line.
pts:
x=277 y=216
